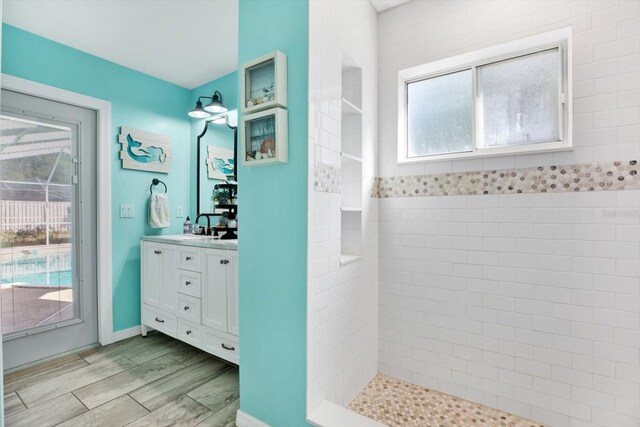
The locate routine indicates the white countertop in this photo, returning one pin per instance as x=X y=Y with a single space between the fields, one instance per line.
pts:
x=194 y=240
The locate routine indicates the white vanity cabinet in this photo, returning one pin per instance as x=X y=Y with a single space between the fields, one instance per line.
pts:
x=220 y=290
x=191 y=293
x=232 y=294
x=159 y=268
x=214 y=292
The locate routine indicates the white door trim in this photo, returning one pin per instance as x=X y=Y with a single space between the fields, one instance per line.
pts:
x=103 y=110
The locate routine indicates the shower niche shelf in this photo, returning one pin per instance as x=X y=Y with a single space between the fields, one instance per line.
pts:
x=351 y=164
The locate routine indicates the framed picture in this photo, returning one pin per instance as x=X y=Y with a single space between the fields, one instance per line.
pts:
x=144 y=151
x=264 y=138
x=263 y=83
x=219 y=163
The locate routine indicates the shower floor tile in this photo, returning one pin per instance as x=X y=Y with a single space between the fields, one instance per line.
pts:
x=401 y=404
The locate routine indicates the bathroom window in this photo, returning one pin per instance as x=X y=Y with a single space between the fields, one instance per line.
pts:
x=507 y=99
x=440 y=110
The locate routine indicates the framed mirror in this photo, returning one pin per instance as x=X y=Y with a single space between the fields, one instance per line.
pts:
x=216 y=169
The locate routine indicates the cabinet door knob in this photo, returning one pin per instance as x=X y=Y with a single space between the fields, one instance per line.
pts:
x=159 y=320
x=221 y=261
x=188 y=332
x=228 y=348
x=188 y=258
x=186 y=307
x=157 y=252
x=187 y=283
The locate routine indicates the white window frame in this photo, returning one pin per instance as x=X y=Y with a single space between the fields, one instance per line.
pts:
x=560 y=39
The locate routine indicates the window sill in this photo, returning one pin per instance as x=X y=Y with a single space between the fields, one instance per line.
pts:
x=547 y=147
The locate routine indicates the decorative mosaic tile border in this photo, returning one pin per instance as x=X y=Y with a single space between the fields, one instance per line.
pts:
x=371 y=186
x=602 y=176
x=326 y=178
x=400 y=404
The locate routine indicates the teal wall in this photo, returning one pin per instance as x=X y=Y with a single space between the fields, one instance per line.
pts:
x=273 y=247
x=219 y=135
x=138 y=101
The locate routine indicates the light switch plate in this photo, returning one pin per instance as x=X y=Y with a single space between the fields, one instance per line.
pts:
x=126 y=211
x=179 y=212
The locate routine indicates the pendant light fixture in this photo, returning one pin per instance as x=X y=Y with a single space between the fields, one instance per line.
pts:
x=215 y=106
x=199 y=112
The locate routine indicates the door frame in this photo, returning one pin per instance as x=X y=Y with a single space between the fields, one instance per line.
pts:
x=103 y=179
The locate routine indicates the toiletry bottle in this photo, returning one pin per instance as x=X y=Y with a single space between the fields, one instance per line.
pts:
x=187 y=227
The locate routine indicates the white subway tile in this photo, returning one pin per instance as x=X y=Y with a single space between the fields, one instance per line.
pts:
x=549 y=417
x=533 y=398
x=572 y=376
x=547 y=324
x=629 y=407
x=628 y=267
x=589 y=331
x=623 y=388
x=593 y=365
x=623 y=12
x=552 y=388
x=592 y=298
x=571 y=408
x=529 y=336
x=572 y=345
x=574 y=312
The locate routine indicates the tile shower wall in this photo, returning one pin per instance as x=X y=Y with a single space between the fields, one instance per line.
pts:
x=525 y=302
x=342 y=324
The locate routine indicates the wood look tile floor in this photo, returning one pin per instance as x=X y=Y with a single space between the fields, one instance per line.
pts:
x=153 y=381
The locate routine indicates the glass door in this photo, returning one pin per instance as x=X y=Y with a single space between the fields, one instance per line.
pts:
x=35 y=202
x=47 y=240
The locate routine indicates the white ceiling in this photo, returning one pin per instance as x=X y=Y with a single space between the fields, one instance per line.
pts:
x=186 y=42
x=381 y=5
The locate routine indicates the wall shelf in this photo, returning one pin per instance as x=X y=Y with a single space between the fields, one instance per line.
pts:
x=349 y=107
x=350 y=209
x=351 y=157
x=349 y=259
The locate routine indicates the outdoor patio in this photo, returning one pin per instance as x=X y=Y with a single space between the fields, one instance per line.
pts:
x=36 y=289
x=25 y=307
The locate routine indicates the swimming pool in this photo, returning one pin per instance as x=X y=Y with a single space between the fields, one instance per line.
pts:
x=49 y=270
x=55 y=279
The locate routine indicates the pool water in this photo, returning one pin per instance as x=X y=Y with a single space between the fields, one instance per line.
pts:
x=49 y=270
x=57 y=278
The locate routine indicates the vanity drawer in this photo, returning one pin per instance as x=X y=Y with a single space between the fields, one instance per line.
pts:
x=159 y=320
x=221 y=345
x=190 y=332
x=190 y=258
x=189 y=308
x=189 y=283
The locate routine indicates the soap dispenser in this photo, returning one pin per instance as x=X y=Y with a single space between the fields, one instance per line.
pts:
x=187 y=227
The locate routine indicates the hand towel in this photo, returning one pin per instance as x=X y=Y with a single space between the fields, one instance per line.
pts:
x=159 y=210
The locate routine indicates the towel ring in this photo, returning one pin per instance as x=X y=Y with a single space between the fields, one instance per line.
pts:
x=156 y=181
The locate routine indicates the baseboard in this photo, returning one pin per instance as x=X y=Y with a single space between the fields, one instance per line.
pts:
x=245 y=420
x=126 y=333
